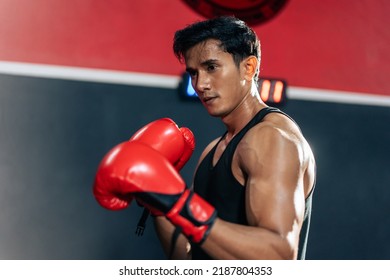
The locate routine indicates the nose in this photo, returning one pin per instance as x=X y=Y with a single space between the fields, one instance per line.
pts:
x=201 y=83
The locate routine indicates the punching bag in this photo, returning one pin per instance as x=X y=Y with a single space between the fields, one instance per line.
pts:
x=253 y=12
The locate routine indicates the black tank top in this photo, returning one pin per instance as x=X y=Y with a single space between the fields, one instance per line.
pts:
x=220 y=188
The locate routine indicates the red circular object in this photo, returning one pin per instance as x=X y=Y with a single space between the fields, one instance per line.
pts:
x=251 y=11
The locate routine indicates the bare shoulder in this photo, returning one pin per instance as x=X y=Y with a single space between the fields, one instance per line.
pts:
x=277 y=145
x=278 y=131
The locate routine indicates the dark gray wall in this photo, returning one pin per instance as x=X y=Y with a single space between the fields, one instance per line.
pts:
x=53 y=134
x=351 y=203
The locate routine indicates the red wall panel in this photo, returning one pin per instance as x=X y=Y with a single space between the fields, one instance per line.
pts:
x=330 y=44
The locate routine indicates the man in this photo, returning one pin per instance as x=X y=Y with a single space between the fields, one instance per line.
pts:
x=258 y=176
x=252 y=191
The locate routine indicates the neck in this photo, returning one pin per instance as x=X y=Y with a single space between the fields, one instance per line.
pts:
x=249 y=106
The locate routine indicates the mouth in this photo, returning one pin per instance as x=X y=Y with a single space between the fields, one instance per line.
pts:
x=208 y=99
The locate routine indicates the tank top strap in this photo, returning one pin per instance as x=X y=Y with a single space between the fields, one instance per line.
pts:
x=255 y=120
x=228 y=153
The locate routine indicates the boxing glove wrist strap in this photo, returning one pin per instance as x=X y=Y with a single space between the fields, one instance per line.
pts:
x=193 y=215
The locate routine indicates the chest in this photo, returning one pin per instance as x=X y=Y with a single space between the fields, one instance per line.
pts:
x=230 y=160
x=219 y=187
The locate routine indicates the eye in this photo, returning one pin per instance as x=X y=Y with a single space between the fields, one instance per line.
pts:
x=192 y=73
x=211 y=67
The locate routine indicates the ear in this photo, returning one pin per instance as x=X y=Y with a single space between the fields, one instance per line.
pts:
x=250 y=64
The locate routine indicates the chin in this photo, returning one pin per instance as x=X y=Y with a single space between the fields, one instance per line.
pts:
x=216 y=114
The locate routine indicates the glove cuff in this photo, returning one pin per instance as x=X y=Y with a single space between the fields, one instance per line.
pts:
x=194 y=215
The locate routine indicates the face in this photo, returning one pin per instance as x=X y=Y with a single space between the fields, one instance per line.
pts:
x=217 y=80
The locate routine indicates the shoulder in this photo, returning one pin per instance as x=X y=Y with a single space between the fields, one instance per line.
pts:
x=274 y=128
x=276 y=139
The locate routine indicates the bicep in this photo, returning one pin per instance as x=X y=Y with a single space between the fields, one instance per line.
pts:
x=274 y=193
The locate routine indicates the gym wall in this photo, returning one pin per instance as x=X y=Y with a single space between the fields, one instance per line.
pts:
x=56 y=124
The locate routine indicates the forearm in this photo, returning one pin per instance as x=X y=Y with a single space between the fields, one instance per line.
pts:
x=165 y=231
x=233 y=241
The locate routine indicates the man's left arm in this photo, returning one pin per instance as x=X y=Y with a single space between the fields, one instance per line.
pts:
x=274 y=201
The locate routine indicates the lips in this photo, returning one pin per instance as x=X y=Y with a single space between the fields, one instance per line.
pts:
x=207 y=99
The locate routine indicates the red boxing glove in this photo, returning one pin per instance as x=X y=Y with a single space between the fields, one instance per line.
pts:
x=163 y=135
x=174 y=143
x=133 y=169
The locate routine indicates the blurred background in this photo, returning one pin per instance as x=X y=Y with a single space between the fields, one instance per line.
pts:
x=78 y=77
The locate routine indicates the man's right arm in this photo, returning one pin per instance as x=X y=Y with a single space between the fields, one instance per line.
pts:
x=180 y=250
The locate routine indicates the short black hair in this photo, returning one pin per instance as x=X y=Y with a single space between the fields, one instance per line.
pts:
x=236 y=38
